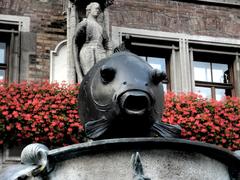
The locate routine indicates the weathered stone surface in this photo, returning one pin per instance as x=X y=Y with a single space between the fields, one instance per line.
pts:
x=177 y=16
x=59 y=64
x=47 y=25
x=116 y=159
x=157 y=164
x=91 y=41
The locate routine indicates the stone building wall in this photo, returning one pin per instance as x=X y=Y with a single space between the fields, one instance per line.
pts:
x=176 y=16
x=188 y=28
x=47 y=23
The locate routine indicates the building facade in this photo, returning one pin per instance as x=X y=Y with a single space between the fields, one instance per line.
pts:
x=28 y=31
x=197 y=43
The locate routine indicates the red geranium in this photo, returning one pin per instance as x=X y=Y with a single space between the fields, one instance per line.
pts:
x=47 y=113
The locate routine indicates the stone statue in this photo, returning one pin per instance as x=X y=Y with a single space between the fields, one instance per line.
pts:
x=91 y=42
x=122 y=96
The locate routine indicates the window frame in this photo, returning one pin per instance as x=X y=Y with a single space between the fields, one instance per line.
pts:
x=215 y=57
x=5 y=66
x=181 y=62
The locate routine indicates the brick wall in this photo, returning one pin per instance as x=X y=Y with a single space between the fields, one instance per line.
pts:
x=49 y=24
x=176 y=16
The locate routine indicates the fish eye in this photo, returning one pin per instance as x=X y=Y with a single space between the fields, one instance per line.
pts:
x=107 y=74
x=158 y=76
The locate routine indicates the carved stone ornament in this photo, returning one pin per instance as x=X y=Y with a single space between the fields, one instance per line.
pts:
x=138 y=173
x=106 y=2
x=35 y=154
x=34 y=162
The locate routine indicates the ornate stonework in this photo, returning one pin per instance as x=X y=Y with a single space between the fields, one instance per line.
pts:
x=104 y=4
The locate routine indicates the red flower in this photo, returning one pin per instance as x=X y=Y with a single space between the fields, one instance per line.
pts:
x=18 y=126
x=47 y=113
x=15 y=114
x=8 y=128
x=5 y=113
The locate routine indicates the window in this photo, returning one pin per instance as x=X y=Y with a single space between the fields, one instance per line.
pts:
x=156 y=52
x=15 y=39
x=3 y=64
x=8 y=31
x=204 y=64
x=213 y=75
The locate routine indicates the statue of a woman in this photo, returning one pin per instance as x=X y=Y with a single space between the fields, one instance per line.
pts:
x=91 y=41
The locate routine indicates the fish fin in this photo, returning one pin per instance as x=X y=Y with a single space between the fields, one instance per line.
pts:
x=167 y=130
x=96 y=128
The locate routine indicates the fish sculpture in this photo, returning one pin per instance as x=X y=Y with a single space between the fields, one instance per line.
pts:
x=122 y=96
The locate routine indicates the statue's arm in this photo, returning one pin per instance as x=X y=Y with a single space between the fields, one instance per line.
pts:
x=107 y=44
x=81 y=28
x=78 y=41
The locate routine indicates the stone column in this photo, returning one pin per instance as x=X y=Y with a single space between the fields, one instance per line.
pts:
x=173 y=70
x=185 y=69
x=236 y=68
x=71 y=25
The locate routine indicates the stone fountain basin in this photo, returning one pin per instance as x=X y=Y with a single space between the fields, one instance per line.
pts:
x=160 y=158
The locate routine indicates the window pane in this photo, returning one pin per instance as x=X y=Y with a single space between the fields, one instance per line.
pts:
x=2 y=74
x=220 y=73
x=164 y=87
x=2 y=52
x=202 y=71
x=157 y=63
x=220 y=93
x=204 y=92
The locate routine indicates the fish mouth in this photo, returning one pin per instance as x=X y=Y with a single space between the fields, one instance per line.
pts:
x=135 y=102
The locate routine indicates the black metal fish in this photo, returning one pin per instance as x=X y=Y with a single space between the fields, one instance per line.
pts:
x=122 y=96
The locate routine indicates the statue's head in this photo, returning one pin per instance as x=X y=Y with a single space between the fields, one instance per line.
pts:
x=93 y=9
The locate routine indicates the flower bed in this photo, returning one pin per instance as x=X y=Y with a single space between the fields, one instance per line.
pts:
x=211 y=121
x=39 y=112
x=47 y=113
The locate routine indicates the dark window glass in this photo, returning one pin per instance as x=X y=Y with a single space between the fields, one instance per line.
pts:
x=220 y=93
x=204 y=91
x=3 y=65
x=157 y=63
x=2 y=53
x=2 y=74
x=218 y=71
x=202 y=71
